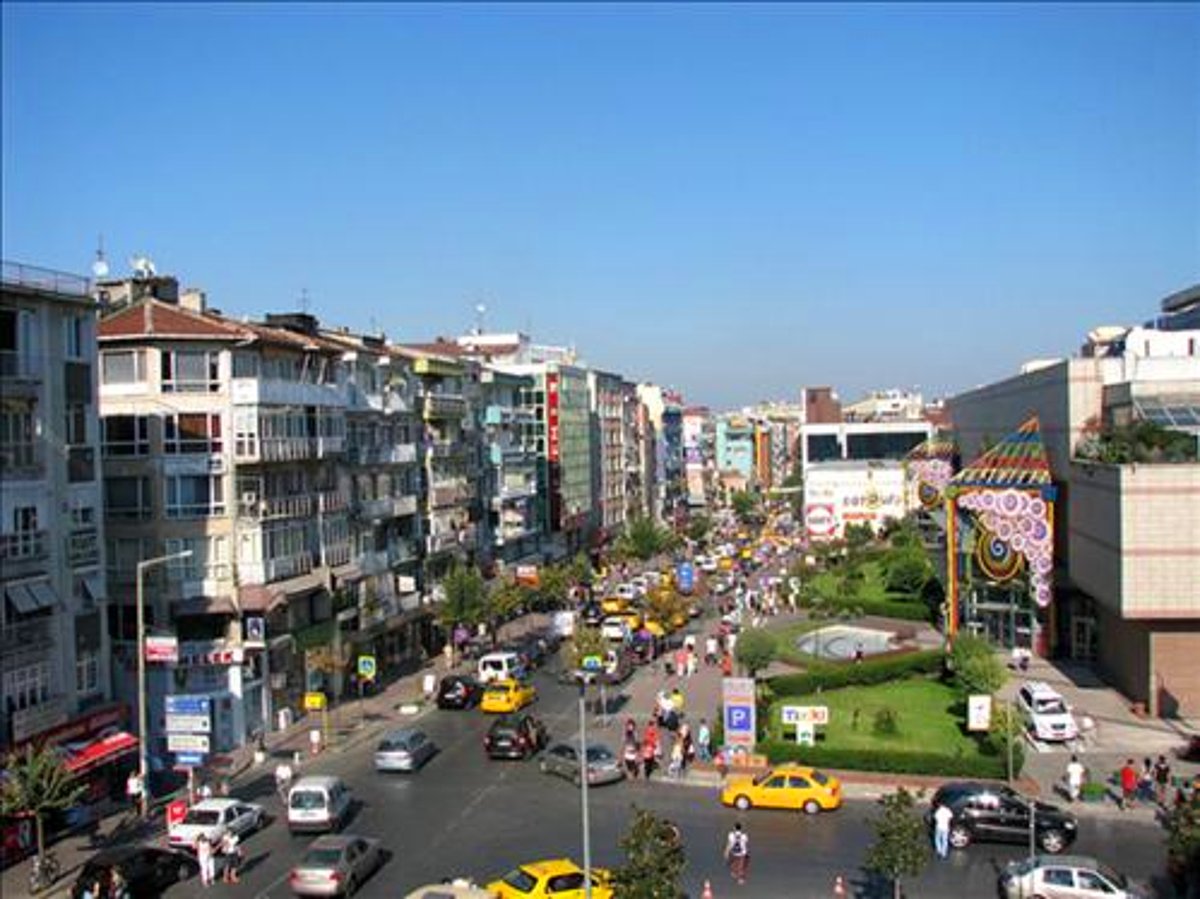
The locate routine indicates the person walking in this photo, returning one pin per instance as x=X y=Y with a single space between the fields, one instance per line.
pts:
x=231 y=852
x=675 y=765
x=1129 y=780
x=1162 y=780
x=704 y=741
x=1145 y=785
x=1075 y=775
x=737 y=853
x=710 y=650
x=283 y=779
x=208 y=864
x=942 y=816
x=632 y=755
x=649 y=749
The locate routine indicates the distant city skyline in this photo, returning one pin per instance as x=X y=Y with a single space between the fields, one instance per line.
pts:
x=733 y=201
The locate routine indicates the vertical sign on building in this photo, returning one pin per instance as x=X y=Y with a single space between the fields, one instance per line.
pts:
x=552 y=417
x=738 y=696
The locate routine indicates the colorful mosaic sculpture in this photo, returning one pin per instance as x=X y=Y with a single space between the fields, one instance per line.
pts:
x=930 y=466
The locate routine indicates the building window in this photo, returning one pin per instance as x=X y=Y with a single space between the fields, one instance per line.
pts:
x=127 y=499
x=76 y=425
x=123 y=366
x=87 y=674
x=190 y=371
x=209 y=558
x=245 y=434
x=245 y=365
x=125 y=435
x=16 y=438
x=192 y=433
x=76 y=331
x=122 y=555
x=195 y=496
x=27 y=687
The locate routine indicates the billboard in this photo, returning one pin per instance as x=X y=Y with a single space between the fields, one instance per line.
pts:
x=837 y=494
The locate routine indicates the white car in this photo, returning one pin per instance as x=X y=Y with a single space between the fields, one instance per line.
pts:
x=615 y=629
x=625 y=591
x=1046 y=713
x=707 y=565
x=1067 y=875
x=213 y=817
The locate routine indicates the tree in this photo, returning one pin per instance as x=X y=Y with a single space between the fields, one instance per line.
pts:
x=755 y=650
x=907 y=571
x=586 y=641
x=1183 y=843
x=664 y=605
x=901 y=847
x=38 y=784
x=975 y=665
x=643 y=538
x=505 y=602
x=654 y=859
x=579 y=569
x=698 y=527
x=554 y=588
x=744 y=505
x=466 y=596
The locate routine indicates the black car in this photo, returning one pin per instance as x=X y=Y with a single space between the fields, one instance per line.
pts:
x=591 y=614
x=147 y=870
x=999 y=814
x=515 y=737
x=457 y=691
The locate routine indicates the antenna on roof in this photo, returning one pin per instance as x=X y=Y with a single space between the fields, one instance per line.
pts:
x=480 y=311
x=304 y=303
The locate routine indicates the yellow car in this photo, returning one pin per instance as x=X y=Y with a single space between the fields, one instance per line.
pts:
x=787 y=786
x=558 y=878
x=507 y=696
x=614 y=605
x=654 y=628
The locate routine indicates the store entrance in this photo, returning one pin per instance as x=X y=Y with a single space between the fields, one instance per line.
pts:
x=1005 y=618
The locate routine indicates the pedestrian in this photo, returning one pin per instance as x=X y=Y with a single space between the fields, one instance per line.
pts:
x=1075 y=775
x=677 y=703
x=731 y=642
x=1129 y=780
x=650 y=749
x=1145 y=785
x=231 y=851
x=704 y=741
x=1162 y=780
x=942 y=816
x=692 y=664
x=858 y=653
x=681 y=662
x=118 y=888
x=689 y=745
x=675 y=766
x=727 y=664
x=206 y=791
x=283 y=778
x=737 y=853
x=630 y=730
x=204 y=855
x=633 y=757
x=710 y=650
x=93 y=890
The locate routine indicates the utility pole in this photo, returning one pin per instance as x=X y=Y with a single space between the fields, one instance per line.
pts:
x=584 y=678
x=1009 y=736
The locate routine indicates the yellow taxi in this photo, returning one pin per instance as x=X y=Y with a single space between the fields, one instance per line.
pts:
x=725 y=564
x=787 y=787
x=654 y=627
x=502 y=696
x=614 y=605
x=558 y=878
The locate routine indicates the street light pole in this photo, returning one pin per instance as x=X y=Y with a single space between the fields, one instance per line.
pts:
x=583 y=785
x=143 y=730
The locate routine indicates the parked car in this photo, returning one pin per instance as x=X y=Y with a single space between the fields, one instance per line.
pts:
x=458 y=888
x=336 y=866
x=1067 y=877
x=147 y=870
x=404 y=749
x=515 y=737
x=999 y=814
x=212 y=818
x=1046 y=713
x=603 y=767
x=558 y=878
x=457 y=691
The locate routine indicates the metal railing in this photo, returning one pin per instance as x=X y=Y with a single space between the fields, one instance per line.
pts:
x=44 y=279
x=16 y=365
x=23 y=546
x=269 y=507
x=83 y=547
x=31 y=635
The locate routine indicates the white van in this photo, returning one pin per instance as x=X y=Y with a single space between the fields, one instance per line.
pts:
x=500 y=666
x=317 y=804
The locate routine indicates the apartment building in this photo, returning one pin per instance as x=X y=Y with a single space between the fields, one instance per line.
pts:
x=510 y=478
x=609 y=484
x=1127 y=530
x=638 y=440
x=54 y=626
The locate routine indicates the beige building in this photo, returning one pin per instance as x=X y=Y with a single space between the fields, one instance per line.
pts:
x=1127 y=531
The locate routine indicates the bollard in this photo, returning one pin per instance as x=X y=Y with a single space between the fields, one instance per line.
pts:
x=839 y=886
x=707 y=892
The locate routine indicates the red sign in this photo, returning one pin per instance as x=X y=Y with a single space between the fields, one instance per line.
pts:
x=552 y=417
x=85 y=726
x=162 y=649
x=820 y=520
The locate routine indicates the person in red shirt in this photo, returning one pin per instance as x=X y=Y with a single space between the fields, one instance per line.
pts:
x=1129 y=782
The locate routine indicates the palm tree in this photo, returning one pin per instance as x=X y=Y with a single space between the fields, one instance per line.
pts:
x=38 y=784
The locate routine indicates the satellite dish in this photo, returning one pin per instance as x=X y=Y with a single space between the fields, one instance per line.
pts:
x=100 y=267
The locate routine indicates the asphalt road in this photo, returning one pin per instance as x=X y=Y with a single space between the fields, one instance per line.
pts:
x=465 y=815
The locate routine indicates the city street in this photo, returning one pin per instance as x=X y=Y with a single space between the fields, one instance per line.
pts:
x=467 y=816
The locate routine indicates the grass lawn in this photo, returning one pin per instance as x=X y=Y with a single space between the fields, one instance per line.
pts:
x=925 y=720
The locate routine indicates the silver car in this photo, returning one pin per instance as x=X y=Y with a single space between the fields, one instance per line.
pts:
x=1067 y=877
x=335 y=866
x=603 y=767
x=405 y=749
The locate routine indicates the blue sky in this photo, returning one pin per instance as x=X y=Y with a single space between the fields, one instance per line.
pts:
x=734 y=200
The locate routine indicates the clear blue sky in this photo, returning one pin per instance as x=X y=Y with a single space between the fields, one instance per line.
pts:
x=734 y=200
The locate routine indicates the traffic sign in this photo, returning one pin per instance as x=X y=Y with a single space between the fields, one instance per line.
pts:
x=366 y=667
x=189 y=759
x=592 y=663
x=314 y=702
x=739 y=719
x=189 y=724
x=187 y=743
x=180 y=704
x=738 y=694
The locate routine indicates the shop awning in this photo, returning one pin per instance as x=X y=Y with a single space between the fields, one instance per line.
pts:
x=101 y=752
x=31 y=597
x=206 y=605
x=93 y=585
x=264 y=598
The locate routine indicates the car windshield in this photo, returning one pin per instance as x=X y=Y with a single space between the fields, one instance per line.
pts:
x=1051 y=707
x=1112 y=876
x=307 y=799
x=520 y=880
x=599 y=754
x=322 y=858
x=820 y=778
x=393 y=746
x=202 y=817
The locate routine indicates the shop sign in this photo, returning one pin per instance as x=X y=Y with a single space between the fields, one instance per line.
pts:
x=820 y=520
x=187 y=742
x=979 y=712
x=527 y=575
x=189 y=724
x=804 y=714
x=314 y=702
x=163 y=649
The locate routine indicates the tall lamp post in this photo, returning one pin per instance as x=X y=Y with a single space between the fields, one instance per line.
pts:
x=585 y=677
x=143 y=731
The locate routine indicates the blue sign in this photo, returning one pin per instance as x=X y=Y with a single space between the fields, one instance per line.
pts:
x=685 y=574
x=189 y=759
x=739 y=719
x=189 y=705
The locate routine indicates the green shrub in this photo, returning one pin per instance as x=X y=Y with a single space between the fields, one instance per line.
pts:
x=889 y=761
x=886 y=723
x=870 y=671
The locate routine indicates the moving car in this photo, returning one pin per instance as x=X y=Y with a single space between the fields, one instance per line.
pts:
x=558 y=878
x=999 y=814
x=1073 y=876
x=500 y=666
x=1046 y=712
x=335 y=866
x=147 y=870
x=213 y=817
x=318 y=803
x=457 y=691
x=404 y=749
x=515 y=737
x=787 y=787
x=507 y=696
x=603 y=767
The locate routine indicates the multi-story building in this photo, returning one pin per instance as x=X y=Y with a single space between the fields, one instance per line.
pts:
x=735 y=449
x=664 y=409
x=510 y=479
x=1126 y=544
x=53 y=626
x=859 y=441
x=609 y=483
x=696 y=450
x=635 y=444
x=886 y=405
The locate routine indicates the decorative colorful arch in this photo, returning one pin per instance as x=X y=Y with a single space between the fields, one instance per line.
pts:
x=928 y=468
x=1006 y=497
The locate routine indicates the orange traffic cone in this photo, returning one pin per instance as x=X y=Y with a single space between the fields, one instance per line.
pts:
x=839 y=886
x=707 y=892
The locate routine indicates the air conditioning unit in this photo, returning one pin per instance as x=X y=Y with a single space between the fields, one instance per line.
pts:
x=249 y=499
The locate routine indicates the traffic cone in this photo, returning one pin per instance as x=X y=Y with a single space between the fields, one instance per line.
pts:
x=839 y=886
x=707 y=893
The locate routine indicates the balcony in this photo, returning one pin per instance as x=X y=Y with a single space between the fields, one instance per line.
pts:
x=276 y=392
x=335 y=554
x=329 y=501
x=452 y=493
x=275 y=507
x=391 y=454
x=44 y=280
x=506 y=415
x=440 y=543
x=83 y=548
x=20 y=373
x=374 y=561
x=328 y=447
x=446 y=449
x=284 y=567
x=285 y=449
x=402 y=551
x=24 y=553
x=21 y=461
x=389 y=401
x=28 y=636
x=444 y=405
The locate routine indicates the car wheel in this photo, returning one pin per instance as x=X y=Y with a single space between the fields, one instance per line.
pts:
x=811 y=807
x=352 y=885
x=1052 y=841
x=960 y=837
x=742 y=802
x=182 y=873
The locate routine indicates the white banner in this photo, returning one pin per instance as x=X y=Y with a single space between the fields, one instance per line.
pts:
x=189 y=724
x=187 y=742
